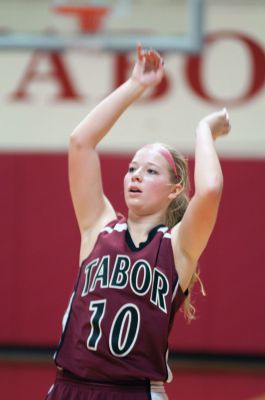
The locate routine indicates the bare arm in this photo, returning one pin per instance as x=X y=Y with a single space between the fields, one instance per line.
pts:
x=84 y=167
x=190 y=237
x=92 y=208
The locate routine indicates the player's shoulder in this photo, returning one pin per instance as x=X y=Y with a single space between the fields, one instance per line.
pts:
x=119 y=223
x=90 y=237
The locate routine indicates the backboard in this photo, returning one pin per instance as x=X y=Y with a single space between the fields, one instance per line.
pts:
x=167 y=25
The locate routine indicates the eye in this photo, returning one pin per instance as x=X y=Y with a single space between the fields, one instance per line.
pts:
x=152 y=171
x=131 y=169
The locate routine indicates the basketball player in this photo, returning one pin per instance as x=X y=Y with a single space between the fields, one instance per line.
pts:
x=135 y=272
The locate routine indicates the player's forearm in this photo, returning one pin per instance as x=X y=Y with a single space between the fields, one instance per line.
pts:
x=99 y=121
x=208 y=174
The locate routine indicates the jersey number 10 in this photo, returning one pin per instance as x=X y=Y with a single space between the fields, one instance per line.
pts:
x=124 y=329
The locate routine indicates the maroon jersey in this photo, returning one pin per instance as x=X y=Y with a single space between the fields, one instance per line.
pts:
x=122 y=309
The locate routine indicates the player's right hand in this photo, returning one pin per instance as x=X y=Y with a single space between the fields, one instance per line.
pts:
x=149 y=68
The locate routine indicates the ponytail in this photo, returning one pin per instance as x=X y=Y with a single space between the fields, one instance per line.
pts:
x=175 y=213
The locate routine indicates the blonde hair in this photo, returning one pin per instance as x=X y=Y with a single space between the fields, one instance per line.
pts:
x=175 y=213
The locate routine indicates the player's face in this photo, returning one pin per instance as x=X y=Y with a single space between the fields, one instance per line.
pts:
x=147 y=185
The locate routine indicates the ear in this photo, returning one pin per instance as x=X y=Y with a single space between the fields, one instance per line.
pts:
x=176 y=190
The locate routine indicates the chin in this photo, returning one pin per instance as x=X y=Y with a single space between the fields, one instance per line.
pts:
x=135 y=208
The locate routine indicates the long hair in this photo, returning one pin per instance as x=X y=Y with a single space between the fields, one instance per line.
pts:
x=175 y=213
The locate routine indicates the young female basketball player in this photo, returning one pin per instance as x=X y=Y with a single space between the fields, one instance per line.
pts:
x=135 y=272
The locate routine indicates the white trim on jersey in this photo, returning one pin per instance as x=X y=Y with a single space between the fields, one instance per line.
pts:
x=169 y=373
x=67 y=312
x=107 y=229
x=175 y=292
x=123 y=227
x=120 y=227
x=65 y=319
x=163 y=229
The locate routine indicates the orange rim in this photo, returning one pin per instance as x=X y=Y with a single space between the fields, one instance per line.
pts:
x=90 y=17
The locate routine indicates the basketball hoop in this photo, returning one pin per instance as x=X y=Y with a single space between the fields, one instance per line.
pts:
x=90 y=18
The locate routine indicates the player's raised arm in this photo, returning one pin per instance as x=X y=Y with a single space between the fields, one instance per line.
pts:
x=90 y=204
x=191 y=235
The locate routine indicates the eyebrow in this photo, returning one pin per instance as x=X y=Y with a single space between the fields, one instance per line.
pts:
x=148 y=163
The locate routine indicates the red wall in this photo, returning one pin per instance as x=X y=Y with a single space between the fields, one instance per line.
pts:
x=40 y=243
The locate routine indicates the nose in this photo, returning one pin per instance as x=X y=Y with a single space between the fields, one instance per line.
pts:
x=136 y=176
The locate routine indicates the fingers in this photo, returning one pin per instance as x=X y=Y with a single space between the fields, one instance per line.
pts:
x=151 y=59
x=227 y=121
x=140 y=55
x=225 y=113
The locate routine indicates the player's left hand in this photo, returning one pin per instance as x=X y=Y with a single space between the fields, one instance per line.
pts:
x=218 y=123
x=149 y=68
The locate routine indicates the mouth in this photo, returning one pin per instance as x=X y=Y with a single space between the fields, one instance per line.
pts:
x=134 y=189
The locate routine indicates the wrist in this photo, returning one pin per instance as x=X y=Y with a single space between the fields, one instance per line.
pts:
x=204 y=129
x=136 y=86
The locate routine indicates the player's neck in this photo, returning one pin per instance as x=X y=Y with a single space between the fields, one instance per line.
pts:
x=140 y=226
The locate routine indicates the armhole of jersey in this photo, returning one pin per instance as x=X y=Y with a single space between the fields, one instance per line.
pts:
x=177 y=287
x=107 y=228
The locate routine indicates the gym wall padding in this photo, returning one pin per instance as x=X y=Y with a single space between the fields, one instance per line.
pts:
x=40 y=246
